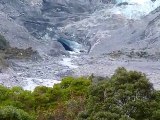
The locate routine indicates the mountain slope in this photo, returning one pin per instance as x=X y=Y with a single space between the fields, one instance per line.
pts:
x=79 y=38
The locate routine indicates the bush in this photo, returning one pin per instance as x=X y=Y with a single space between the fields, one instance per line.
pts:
x=3 y=43
x=12 y=113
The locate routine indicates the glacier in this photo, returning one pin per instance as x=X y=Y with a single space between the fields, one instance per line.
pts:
x=136 y=8
x=98 y=26
x=70 y=34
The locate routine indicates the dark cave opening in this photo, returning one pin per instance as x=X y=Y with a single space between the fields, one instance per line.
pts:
x=65 y=44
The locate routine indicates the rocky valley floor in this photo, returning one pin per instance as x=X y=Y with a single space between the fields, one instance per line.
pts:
x=49 y=71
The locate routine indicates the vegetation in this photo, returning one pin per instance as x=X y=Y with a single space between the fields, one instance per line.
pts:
x=127 y=95
x=3 y=43
x=132 y=54
x=17 y=53
x=8 y=52
x=12 y=113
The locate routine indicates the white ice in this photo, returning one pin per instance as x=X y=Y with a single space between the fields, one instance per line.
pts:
x=133 y=1
x=136 y=8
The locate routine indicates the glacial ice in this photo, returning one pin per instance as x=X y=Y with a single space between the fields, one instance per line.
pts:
x=71 y=45
x=98 y=26
x=136 y=8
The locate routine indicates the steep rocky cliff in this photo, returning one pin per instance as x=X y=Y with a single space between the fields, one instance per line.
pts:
x=31 y=23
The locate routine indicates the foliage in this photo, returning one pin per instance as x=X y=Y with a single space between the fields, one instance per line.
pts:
x=3 y=43
x=127 y=95
x=12 y=113
x=17 y=53
x=8 y=52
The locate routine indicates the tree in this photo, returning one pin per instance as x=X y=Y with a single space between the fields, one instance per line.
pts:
x=42 y=96
x=3 y=93
x=126 y=93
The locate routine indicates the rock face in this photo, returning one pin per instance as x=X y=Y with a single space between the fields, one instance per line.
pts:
x=95 y=24
x=152 y=31
x=11 y=27
x=33 y=23
x=109 y=29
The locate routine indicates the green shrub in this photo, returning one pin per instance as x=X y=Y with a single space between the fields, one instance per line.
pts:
x=12 y=113
x=3 y=43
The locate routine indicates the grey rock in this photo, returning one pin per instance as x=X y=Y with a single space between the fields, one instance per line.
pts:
x=91 y=24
